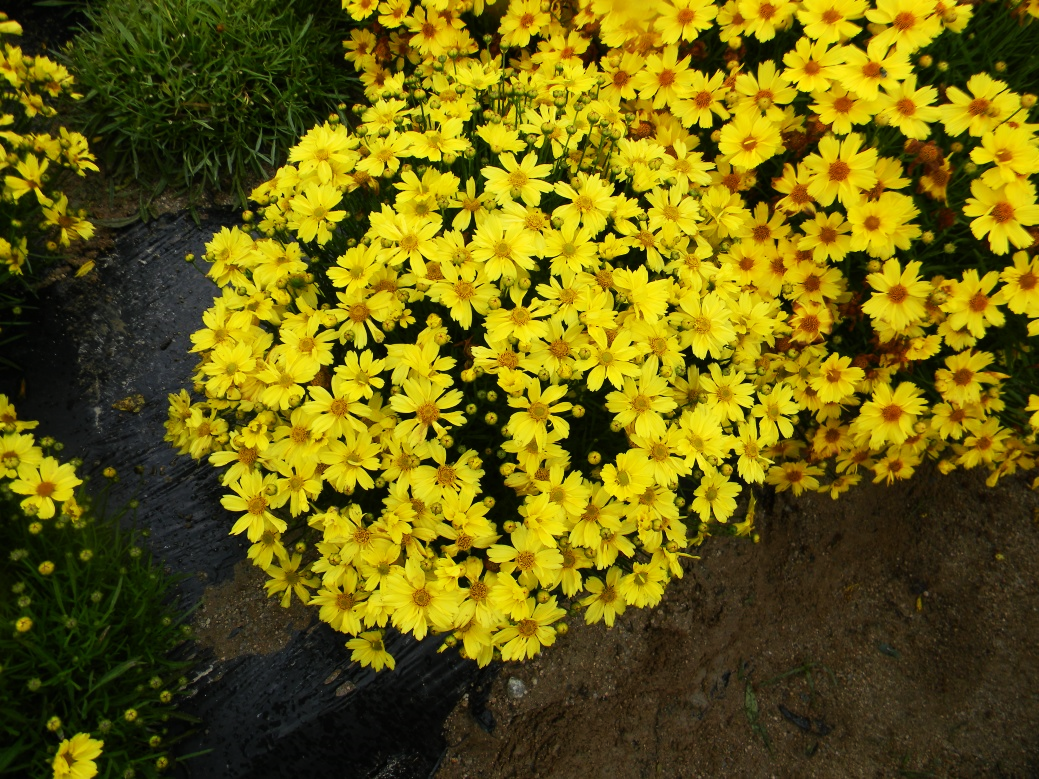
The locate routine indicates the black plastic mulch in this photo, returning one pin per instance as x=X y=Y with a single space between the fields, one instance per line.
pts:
x=125 y=330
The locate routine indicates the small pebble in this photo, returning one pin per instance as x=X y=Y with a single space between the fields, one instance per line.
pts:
x=345 y=689
x=517 y=689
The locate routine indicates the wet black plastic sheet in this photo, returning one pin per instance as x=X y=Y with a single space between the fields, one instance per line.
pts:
x=125 y=330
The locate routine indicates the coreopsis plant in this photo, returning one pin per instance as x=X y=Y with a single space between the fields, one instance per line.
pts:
x=513 y=342
x=35 y=217
x=32 y=161
x=86 y=684
x=461 y=351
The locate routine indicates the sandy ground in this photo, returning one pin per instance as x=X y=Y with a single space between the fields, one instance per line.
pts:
x=888 y=634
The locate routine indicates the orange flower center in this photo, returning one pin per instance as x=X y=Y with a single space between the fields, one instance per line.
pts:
x=904 y=21
x=979 y=302
x=892 y=413
x=427 y=413
x=978 y=107
x=421 y=598
x=897 y=293
x=1003 y=212
x=839 y=170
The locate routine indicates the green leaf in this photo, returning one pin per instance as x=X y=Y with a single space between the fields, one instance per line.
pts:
x=115 y=673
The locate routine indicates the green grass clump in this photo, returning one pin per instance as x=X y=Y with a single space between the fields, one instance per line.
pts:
x=86 y=626
x=205 y=93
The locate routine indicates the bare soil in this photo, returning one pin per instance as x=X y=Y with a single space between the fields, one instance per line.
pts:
x=237 y=618
x=891 y=633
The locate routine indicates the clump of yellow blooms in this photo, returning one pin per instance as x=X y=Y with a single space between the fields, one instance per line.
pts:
x=509 y=346
x=31 y=161
x=45 y=487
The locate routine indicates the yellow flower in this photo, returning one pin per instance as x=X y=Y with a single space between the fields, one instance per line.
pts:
x=913 y=24
x=1002 y=214
x=749 y=139
x=684 y=20
x=971 y=306
x=642 y=404
x=523 y=19
x=524 y=640
x=9 y=26
x=710 y=324
x=539 y=408
x=715 y=496
x=70 y=227
x=418 y=602
x=841 y=170
x=604 y=603
x=702 y=99
x=836 y=379
x=1033 y=405
x=76 y=756
x=428 y=403
x=909 y=109
x=1012 y=149
x=841 y=109
x=809 y=65
x=701 y=435
x=990 y=104
x=985 y=442
x=505 y=250
x=1021 y=285
x=961 y=379
x=628 y=477
x=880 y=226
x=663 y=78
x=288 y=579
x=773 y=408
x=518 y=181
x=339 y=606
x=327 y=152
x=590 y=203
x=830 y=21
x=30 y=179
x=644 y=586
x=44 y=485
x=899 y=296
x=369 y=650
x=252 y=497
x=888 y=417
x=795 y=476
x=866 y=72
x=898 y=464
x=17 y=450
x=751 y=463
x=312 y=215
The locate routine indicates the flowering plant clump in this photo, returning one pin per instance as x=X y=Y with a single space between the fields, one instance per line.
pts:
x=517 y=339
x=35 y=218
x=86 y=686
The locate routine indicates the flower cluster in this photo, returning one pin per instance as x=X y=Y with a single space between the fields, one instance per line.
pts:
x=515 y=341
x=30 y=161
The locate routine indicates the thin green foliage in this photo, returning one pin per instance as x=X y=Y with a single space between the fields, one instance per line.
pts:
x=86 y=629
x=205 y=93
